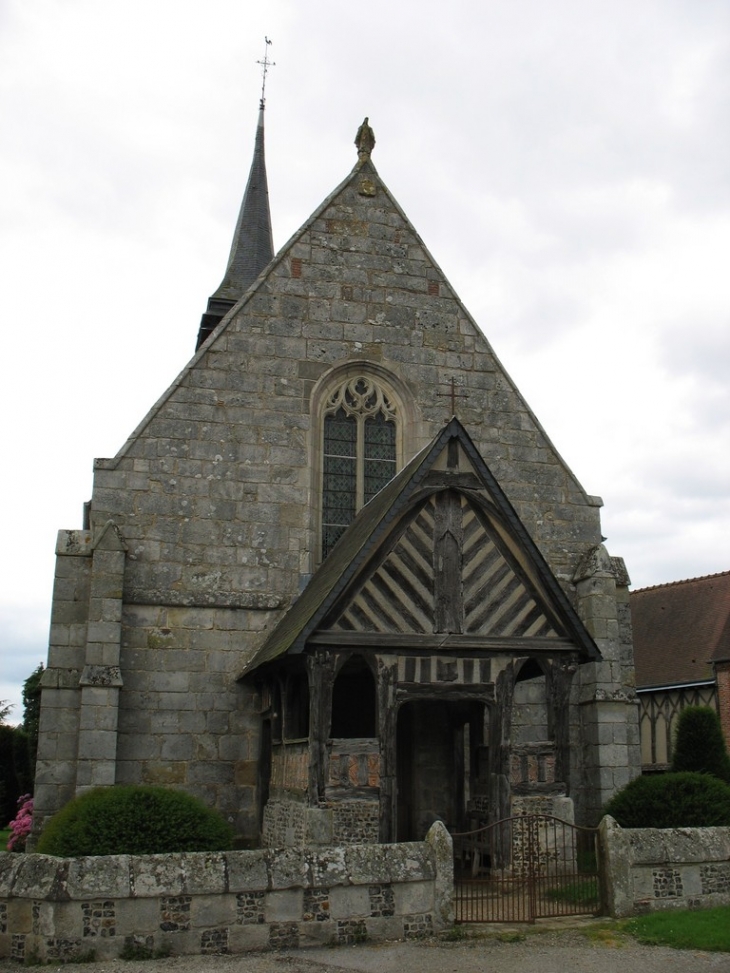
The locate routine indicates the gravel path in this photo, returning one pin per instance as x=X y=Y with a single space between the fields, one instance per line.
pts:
x=567 y=951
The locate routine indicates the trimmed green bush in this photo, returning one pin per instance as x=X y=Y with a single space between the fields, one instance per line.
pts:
x=700 y=745
x=131 y=820
x=672 y=801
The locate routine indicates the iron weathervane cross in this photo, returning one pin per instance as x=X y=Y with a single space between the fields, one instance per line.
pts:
x=265 y=65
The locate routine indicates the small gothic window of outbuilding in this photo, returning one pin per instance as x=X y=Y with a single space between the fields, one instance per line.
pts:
x=353 y=701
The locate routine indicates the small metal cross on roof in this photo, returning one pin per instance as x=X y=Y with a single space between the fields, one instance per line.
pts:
x=265 y=64
x=453 y=395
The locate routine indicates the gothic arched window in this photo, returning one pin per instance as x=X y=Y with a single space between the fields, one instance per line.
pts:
x=359 y=452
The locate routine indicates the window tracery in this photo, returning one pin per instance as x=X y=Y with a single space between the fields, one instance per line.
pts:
x=359 y=452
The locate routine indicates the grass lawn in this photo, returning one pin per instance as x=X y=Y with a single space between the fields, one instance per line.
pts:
x=4 y=838
x=583 y=891
x=707 y=929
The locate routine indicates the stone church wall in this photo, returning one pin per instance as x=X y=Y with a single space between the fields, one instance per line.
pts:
x=213 y=491
x=214 y=499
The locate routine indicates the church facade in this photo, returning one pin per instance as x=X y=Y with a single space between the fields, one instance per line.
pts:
x=338 y=581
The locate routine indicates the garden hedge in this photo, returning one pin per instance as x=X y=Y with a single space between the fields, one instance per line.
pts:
x=134 y=820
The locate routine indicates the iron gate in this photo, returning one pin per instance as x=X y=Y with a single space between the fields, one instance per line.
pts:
x=524 y=868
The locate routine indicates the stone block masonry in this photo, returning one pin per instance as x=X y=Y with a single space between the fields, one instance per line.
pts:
x=61 y=910
x=206 y=528
x=648 y=869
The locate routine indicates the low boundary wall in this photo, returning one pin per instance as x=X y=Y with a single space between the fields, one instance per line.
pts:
x=647 y=869
x=55 y=909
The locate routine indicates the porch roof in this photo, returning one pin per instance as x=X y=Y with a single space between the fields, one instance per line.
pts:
x=370 y=528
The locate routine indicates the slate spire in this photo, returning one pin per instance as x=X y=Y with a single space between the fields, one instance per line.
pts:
x=252 y=246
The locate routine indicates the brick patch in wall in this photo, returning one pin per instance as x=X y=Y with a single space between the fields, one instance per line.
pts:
x=382 y=901
x=250 y=908
x=17 y=947
x=65 y=950
x=351 y=931
x=144 y=945
x=175 y=913
x=316 y=905
x=3 y=917
x=715 y=878
x=214 y=941
x=532 y=768
x=99 y=918
x=667 y=883
x=284 y=935
x=418 y=926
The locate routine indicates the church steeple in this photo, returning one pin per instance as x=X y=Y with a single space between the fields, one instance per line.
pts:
x=252 y=246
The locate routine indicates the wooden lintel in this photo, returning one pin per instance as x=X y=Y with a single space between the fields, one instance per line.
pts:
x=559 y=788
x=334 y=792
x=440 y=690
x=458 y=644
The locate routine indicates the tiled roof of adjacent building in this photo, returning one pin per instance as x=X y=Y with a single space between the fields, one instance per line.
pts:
x=680 y=629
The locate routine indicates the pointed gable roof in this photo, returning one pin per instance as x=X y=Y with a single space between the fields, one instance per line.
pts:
x=510 y=594
x=330 y=253
x=680 y=629
x=253 y=245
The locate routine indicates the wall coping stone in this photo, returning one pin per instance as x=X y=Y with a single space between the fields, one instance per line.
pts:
x=648 y=869
x=225 y=902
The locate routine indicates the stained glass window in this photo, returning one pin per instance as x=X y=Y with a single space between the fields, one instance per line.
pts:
x=359 y=454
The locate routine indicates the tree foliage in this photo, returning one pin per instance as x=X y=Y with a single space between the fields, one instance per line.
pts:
x=700 y=746
x=32 y=711
x=15 y=771
x=18 y=747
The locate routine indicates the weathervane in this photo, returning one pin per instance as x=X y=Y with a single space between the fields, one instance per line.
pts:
x=265 y=64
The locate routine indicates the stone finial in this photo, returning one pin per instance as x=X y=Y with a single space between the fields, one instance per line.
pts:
x=365 y=141
x=593 y=563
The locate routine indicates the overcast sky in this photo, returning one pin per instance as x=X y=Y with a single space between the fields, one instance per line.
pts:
x=567 y=162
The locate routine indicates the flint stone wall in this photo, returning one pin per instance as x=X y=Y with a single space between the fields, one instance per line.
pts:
x=648 y=869
x=55 y=909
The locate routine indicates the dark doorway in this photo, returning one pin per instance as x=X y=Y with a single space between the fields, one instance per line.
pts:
x=439 y=757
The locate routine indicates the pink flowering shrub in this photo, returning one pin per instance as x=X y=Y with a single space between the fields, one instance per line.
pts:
x=21 y=824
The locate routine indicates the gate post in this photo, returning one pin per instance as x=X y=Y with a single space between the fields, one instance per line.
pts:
x=442 y=849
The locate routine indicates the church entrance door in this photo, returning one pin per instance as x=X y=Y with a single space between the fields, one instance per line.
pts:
x=437 y=754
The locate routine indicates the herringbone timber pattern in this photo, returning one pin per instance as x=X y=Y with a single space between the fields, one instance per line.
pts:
x=399 y=596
